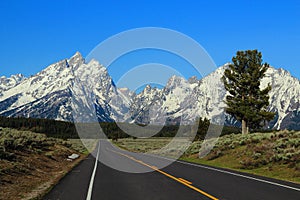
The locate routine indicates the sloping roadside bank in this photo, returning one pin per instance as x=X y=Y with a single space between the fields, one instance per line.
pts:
x=31 y=164
x=274 y=154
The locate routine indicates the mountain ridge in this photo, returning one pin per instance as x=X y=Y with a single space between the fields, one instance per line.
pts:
x=48 y=94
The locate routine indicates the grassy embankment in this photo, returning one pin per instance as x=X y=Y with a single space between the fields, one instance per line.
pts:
x=32 y=163
x=274 y=154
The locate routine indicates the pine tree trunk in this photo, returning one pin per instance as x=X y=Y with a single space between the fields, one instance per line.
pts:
x=244 y=127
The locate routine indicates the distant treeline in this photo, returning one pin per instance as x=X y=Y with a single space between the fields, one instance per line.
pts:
x=49 y=127
x=65 y=130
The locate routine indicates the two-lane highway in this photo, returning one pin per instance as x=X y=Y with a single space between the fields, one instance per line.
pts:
x=132 y=176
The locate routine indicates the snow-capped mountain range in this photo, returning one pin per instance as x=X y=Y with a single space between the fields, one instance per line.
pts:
x=49 y=94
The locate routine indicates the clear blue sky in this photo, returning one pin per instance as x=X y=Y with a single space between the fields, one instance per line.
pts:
x=34 y=34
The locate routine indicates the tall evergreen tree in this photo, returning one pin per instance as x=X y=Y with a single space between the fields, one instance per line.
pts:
x=246 y=102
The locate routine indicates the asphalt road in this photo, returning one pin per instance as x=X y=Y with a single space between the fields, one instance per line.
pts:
x=130 y=176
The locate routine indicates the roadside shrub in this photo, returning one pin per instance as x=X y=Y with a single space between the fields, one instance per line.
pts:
x=259 y=148
x=12 y=140
x=215 y=154
x=6 y=155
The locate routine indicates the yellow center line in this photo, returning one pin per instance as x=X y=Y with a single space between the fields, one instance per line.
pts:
x=180 y=180
x=188 y=182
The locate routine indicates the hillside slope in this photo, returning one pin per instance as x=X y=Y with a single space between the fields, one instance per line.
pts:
x=31 y=163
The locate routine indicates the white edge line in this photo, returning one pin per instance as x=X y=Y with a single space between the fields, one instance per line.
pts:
x=90 y=190
x=243 y=176
x=227 y=172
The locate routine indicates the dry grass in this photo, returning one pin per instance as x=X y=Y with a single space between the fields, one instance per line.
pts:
x=142 y=144
x=31 y=163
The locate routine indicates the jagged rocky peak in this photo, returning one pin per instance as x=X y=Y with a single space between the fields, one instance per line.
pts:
x=75 y=61
x=193 y=80
x=175 y=79
x=77 y=56
x=70 y=64
x=174 y=82
x=93 y=67
x=18 y=77
x=147 y=89
x=179 y=85
x=149 y=92
x=283 y=72
x=126 y=91
x=13 y=78
x=7 y=83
